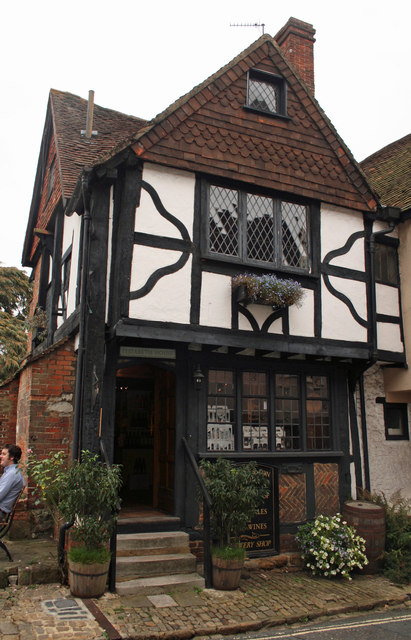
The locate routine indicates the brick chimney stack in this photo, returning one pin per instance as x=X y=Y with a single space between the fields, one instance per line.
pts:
x=296 y=40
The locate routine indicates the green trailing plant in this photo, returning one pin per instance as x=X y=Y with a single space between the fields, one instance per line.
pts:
x=268 y=289
x=330 y=547
x=236 y=491
x=49 y=475
x=91 y=496
x=396 y=561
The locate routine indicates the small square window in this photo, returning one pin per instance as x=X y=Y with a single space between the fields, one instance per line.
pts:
x=395 y=419
x=266 y=92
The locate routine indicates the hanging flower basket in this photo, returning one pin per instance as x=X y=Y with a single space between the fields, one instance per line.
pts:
x=267 y=289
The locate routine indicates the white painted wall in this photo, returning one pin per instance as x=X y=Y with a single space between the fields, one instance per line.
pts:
x=176 y=191
x=337 y=225
x=390 y=468
x=71 y=236
x=169 y=301
x=302 y=318
x=387 y=300
x=215 y=306
x=337 y=320
x=389 y=337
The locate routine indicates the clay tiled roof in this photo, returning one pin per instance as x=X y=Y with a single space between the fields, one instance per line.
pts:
x=208 y=130
x=74 y=150
x=389 y=172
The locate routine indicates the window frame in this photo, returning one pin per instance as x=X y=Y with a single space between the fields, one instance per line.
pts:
x=269 y=79
x=237 y=424
x=242 y=259
x=380 y=277
x=395 y=406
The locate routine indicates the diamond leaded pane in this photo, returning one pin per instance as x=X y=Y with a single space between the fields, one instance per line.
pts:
x=223 y=221
x=264 y=96
x=260 y=228
x=294 y=234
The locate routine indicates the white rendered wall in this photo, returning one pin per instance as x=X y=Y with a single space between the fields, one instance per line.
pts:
x=301 y=319
x=387 y=300
x=390 y=468
x=169 y=300
x=337 y=225
x=71 y=237
x=176 y=191
x=215 y=307
x=338 y=322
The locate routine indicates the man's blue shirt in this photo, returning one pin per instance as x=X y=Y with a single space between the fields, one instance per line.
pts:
x=11 y=483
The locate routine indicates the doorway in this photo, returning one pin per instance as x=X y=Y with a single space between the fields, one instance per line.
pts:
x=145 y=435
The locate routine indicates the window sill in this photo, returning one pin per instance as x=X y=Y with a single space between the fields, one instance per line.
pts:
x=269 y=114
x=272 y=454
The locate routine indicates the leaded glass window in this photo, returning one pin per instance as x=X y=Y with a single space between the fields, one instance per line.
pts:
x=255 y=229
x=266 y=92
x=318 y=413
x=220 y=411
x=299 y=418
x=254 y=411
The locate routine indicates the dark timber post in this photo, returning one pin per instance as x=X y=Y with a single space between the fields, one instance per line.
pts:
x=94 y=338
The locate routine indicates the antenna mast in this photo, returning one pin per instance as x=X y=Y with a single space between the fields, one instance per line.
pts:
x=261 y=25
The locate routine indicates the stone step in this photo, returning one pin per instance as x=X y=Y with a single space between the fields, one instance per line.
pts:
x=128 y=567
x=160 y=584
x=143 y=524
x=138 y=544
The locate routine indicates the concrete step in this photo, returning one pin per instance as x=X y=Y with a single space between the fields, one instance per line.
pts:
x=160 y=584
x=138 y=544
x=128 y=567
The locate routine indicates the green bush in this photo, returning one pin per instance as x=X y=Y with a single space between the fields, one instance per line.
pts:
x=236 y=491
x=396 y=562
x=89 y=556
x=90 y=496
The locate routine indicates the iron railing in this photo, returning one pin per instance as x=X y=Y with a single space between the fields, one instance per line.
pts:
x=207 y=504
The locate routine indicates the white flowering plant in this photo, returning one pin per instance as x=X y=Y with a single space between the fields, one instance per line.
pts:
x=330 y=547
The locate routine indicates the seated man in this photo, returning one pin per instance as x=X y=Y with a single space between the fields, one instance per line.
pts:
x=12 y=481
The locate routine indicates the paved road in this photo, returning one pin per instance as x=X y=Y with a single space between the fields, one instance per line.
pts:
x=391 y=625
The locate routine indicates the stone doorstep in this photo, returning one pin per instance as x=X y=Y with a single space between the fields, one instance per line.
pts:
x=141 y=566
x=160 y=539
x=158 y=584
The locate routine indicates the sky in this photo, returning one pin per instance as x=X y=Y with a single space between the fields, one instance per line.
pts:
x=139 y=57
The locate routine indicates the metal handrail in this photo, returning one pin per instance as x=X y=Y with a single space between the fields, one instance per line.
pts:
x=207 y=504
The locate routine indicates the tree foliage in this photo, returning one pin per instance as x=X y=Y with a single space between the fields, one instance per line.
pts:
x=15 y=297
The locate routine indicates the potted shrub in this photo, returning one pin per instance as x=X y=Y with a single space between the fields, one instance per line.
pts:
x=49 y=476
x=267 y=289
x=236 y=491
x=90 y=496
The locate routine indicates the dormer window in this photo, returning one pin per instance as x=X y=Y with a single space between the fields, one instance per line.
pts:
x=266 y=92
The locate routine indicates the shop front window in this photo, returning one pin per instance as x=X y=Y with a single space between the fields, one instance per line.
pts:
x=299 y=419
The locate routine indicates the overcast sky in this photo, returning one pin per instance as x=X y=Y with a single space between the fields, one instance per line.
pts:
x=139 y=57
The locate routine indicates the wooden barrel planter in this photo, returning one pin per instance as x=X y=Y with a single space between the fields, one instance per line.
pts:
x=226 y=573
x=88 y=580
x=369 y=521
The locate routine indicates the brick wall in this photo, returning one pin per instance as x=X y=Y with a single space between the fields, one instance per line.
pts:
x=51 y=402
x=8 y=411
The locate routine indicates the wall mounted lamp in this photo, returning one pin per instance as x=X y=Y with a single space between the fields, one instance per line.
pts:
x=198 y=377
